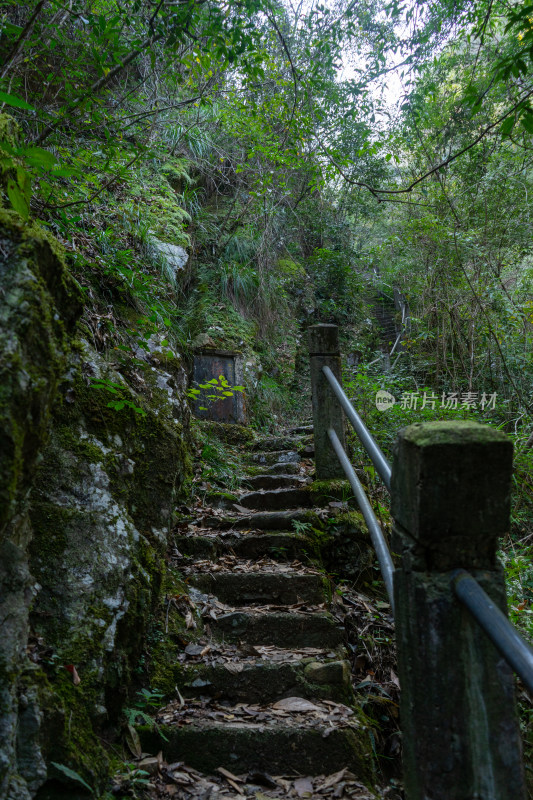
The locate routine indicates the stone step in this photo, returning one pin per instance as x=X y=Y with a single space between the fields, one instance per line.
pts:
x=220 y=499
x=281 y=468
x=247 y=588
x=281 y=628
x=281 y=545
x=263 y=680
x=293 y=743
x=270 y=443
x=276 y=499
x=300 y=429
x=266 y=520
x=274 y=457
x=273 y=481
x=277 y=520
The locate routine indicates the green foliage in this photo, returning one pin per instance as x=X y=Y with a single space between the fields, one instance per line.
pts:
x=215 y=389
x=131 y=777
x=118 y=389
x=72 y=775
x=139 y=712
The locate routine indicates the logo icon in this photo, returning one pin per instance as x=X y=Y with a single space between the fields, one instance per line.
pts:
x=384 y=400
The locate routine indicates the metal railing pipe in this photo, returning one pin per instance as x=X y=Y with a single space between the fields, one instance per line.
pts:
x=516 y=651
x=378 y=459
x=376 y=534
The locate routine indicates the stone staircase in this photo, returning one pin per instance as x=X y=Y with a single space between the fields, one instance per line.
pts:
x=266 y=686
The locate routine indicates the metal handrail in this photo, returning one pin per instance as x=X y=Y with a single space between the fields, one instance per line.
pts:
x=378 y=459
x=516 y=651
x=376 y=534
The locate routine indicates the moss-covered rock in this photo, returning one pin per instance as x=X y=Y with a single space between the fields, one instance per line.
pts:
x=89 y=475
x=346 y=548
x=101 y=513
x=39 y=305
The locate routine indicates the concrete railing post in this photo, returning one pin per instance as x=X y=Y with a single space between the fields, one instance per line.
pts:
x=327 y=413
x=450 y=503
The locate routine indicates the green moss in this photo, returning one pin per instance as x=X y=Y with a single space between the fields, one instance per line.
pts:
x=40 y=305
x=163 y=215
x=176 y=173
x=427 y=434
x=325 y=491
x=68 y=736
x=348 y=552
x=228 y=432
x=82 y=448
x=167 y=633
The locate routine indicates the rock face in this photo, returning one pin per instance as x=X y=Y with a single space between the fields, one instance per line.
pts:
x=175 y=256
x=39 y=305
x=87 y=497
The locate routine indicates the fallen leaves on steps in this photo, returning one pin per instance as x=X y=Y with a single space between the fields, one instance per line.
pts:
x=292 y=711
x=181 y=782
x=214 y=652
x=230 y=563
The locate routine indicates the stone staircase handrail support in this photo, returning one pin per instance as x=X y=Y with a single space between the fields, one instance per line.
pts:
x=450 y=493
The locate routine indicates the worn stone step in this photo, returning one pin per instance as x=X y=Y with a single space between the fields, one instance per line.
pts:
x=280 y=468
x=278 y=520
x=276 y=746
x=273 y=481
x=270 y=443
x=274 y=457
x=221 y=499
x=276 y=499
x=300 y=429
x=245 y=588
x=281 y=545
x=266 y=520
x=282 y=628
x=266 y=681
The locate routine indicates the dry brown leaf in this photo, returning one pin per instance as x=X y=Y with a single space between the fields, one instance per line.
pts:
x=394 y=678
x=133 y=742
x=234 y=667
x=190 y=622
x=227 y=774
x=303 y=787
x=332 y=780
x=231 y=779
x=241 y=509
x=295 y=704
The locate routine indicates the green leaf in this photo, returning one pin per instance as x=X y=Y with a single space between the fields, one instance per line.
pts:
x=38 y=157
x=507 y=126
x=13 y=100
x=64 y=172
x=18 y=200
x=527 y=122
x=70 y=773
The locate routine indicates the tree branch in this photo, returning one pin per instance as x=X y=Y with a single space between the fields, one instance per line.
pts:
x=97 y=86
x=378 y=192
x=22 y=38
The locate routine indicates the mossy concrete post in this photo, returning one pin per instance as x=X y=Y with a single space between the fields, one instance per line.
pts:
x=327 y=413
x=450 y=502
